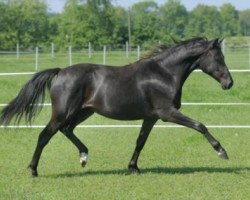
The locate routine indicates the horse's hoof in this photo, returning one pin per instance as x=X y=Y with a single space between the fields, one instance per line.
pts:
x=83 y=163
x=33 y=171
x=34 y=174
x=223 y=154
x=134 y=169
x=83 y=159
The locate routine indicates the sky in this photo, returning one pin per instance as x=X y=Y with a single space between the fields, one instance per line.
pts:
x=57 y=5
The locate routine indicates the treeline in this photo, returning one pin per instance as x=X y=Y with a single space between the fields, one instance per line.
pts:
x=30 y=23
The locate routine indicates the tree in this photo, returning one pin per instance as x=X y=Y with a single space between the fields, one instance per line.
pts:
x=101 y=12
x=26 y=22
x=204 y=21
x=120 y=21
x=7 y=37
x=144 y=22
x=86 y=21
x=245 y=22
x=174 y=18
x=230 y=20
x=53 y=30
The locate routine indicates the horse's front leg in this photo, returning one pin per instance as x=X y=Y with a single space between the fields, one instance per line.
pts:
x=173 y=115
x=141 y=140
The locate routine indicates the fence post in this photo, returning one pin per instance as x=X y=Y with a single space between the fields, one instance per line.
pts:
x=17 y=50
x=52 y=50
x=249 y=55
x=104 y=54
x=37 y=52
x=127 y=50
x=223 y=46
x=138 y=51
x=70 y=55
x=90 y=50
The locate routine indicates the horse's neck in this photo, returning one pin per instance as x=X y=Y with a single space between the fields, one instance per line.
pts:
x=180 y=72
x=180 y=61
x=180 y=69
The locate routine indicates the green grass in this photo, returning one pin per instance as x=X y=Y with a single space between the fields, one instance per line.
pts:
x=175 y=163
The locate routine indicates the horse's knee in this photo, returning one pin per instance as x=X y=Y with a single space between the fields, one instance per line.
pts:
x=53 y=126
x=58 y=121
x=201 y=128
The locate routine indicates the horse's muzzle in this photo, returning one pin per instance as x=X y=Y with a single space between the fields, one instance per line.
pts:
x=227 y=84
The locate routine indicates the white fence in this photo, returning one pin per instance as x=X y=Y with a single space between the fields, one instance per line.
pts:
x=39 y=58
x=133 y=126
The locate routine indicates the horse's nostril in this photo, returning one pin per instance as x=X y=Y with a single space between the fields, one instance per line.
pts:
x=230 y=84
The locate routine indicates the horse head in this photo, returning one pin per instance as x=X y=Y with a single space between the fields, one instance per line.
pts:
x=212 y=63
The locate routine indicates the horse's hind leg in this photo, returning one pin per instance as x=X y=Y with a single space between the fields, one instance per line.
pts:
x=67 y=130
x=43 y=139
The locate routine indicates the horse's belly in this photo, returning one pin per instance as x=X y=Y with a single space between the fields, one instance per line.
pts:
x=121 y=116
x=122 y=103
x=123 y=111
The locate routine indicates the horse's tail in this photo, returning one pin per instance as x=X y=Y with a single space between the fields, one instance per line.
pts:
x=28 y=101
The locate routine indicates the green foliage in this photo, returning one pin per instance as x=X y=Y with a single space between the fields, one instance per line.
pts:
x=86 y=22
x=145 y=22
x=230 y=20
x=100 y=22
x=23 y=21
x=245 y=22
x=173 y=11
x=120 y=30
x=202 y=25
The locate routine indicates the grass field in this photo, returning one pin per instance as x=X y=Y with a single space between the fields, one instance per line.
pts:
x=176 y=163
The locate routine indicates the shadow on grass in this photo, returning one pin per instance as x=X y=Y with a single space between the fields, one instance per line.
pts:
x=154 y=170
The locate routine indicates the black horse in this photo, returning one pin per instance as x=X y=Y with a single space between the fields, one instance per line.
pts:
x=149 y=89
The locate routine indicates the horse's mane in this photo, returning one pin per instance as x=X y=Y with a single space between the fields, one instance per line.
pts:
x=157 y=49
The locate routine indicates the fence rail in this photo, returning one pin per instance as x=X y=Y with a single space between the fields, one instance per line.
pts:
x=133 y=126
x=31 y=73
x=183 y=104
